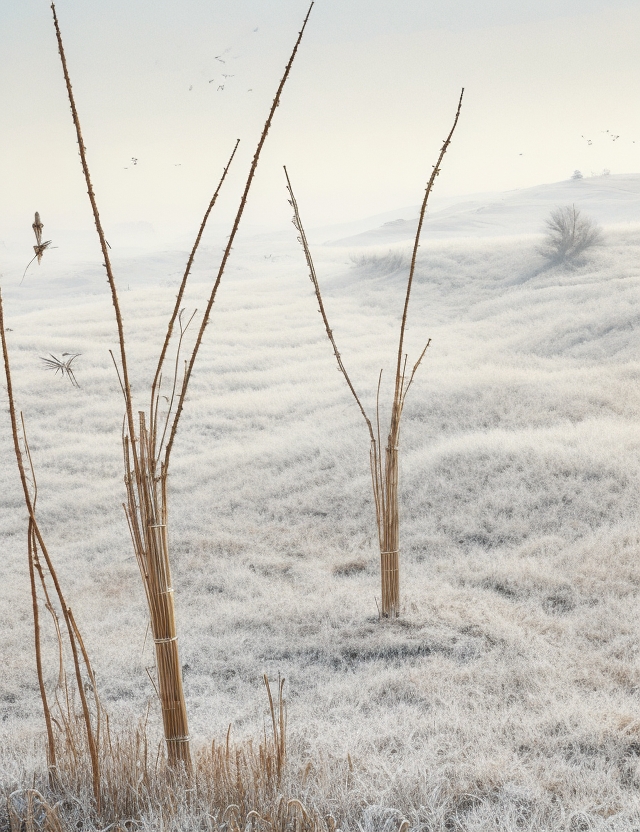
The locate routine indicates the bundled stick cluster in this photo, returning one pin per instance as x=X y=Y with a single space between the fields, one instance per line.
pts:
x=148 y=443
x=384 y=470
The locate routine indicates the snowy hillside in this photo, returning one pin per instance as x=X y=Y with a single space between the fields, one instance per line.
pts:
x=609 y=199
x=508 y=690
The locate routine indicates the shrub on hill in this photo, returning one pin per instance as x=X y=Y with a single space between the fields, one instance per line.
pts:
x=568 y=235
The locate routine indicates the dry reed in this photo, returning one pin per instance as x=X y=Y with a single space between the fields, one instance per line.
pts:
x=35 y=546
x=384 y=473
x=144 y=444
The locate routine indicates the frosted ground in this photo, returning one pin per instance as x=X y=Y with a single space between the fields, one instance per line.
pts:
x=508 y=693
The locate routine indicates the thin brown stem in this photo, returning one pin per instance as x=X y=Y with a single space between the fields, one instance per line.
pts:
x=297 y=223
x=232 y=236
x=183 y=329
x=90 y=673
x=50 y=609
x=32 y=550
x=380 y=499
x=416 y=244
x=413 y=372
x=25 y=271
x=103 y=242
x=183 y=284
x=43 y=548
x=113 y=358
x=51 y=746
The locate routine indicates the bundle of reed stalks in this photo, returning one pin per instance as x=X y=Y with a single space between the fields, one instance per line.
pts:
x=384 y=470
x=147 y=443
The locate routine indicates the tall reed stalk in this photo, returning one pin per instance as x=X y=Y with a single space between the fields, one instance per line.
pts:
x=148 y=441
x=384 y=469
x=35 y=546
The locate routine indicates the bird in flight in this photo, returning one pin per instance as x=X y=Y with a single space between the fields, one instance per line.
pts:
x=40 y=247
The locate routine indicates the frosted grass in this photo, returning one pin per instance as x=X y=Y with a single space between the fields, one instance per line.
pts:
x=507 y=695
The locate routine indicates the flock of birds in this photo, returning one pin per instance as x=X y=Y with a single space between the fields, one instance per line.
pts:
x=613 y=136
x=220 y=88
x=224 y=75
x=607 y=133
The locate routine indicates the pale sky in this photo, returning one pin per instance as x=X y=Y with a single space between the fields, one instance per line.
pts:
x=371 y=96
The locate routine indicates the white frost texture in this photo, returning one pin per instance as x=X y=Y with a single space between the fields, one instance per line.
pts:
x=509 y=689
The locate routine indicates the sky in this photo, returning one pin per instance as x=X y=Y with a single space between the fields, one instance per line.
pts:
x=550 y=87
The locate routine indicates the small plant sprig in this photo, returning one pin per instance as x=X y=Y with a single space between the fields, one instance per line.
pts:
x=40 y=247
x=63 y=367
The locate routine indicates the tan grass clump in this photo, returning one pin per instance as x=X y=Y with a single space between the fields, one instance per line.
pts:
x=233 y=786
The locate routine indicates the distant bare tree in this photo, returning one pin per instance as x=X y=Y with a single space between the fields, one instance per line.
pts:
x=569 y=234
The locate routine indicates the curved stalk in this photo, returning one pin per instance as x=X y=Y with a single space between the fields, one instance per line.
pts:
x=35 y=529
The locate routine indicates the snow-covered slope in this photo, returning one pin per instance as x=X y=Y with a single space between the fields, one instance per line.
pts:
x=610 y=199
x=512 y=675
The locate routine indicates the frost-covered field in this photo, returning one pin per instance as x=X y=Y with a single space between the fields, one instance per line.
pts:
x=508 y=693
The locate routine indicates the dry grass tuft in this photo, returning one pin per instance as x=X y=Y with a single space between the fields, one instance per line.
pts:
x=233 y=786
x=382 y=264
x=351 y=567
